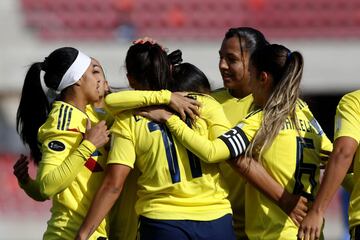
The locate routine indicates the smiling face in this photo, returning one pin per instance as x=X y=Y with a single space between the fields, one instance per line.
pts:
x=233 y=66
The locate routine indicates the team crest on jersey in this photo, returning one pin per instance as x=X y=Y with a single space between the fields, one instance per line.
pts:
x=56 y=146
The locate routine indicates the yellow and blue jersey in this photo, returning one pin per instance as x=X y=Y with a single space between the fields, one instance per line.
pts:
x=292 y=160
x=70 y=171
x=235 y=110
x=347 y=124
x=173 y=183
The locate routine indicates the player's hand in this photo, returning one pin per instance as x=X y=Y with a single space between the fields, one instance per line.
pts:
x=295 y=206
x=21 y=169
x=155 y=113
x=144 y=40
x=310 y=227
x=184 y=106
x=97 y=135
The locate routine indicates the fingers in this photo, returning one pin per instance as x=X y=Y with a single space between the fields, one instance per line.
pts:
x=88 y=124
x=21 y=162
x=193 y=102
x=183 y=94
x=300 y=235
x=144 y=40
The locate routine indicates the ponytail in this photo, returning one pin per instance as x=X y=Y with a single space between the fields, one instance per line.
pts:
x=286 y=69
x=32 y=111
x=34 y=106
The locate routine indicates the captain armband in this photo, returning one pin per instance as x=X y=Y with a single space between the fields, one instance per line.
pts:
x=236 y=140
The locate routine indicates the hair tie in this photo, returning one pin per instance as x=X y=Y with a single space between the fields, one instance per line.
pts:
x=175 y=57
x=289 y=55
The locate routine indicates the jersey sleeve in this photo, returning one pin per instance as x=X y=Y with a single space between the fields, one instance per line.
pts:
x=347 y=119
x=214 y=115
x=125 y=100
x=61 y=162
x=31 y=188
x=122 y=150
x=207 y=150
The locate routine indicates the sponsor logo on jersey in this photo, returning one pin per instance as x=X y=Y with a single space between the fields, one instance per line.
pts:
x=56 y=146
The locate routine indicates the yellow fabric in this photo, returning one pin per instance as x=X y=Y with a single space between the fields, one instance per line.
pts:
x=264 y=219
x=177 y=193
x=347 y=124
x=282 y=160
x=235 y=110
x=125 y=100
x=123 y=218
x=99 y=114
x=69 y=172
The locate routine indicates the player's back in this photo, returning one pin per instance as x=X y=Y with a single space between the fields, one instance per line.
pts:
x=174 y=184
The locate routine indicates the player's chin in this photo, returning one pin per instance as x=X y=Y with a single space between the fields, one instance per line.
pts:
x=228 y=83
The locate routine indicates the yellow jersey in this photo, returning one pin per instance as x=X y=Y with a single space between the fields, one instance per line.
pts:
x=347 y=124
x=70 y=171
x=289 y=155
x=235 y=110
x=173 y=183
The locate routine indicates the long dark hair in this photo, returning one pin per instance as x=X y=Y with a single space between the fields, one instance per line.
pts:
x=148 y=64
x=34 y=106
x=250 y=40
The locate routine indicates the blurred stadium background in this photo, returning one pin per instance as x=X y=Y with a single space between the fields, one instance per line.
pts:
x=327 y=32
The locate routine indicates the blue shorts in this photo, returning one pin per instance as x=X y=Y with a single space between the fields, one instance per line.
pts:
x=218 y=229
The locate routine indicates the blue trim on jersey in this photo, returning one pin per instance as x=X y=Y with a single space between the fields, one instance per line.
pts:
x=60 y=115
x=194 y=161
x=169 y=149
x=64 y=118
x=69 y=119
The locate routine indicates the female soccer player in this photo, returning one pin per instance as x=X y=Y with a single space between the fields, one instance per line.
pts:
x=279 y=134
x=178 y=197
x=96 y=112
x=344 y=155
x=237 y=101
x=68 y=151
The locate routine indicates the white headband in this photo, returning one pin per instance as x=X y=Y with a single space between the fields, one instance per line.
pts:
x=76 y=70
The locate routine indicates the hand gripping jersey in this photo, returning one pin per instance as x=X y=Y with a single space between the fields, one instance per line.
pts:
x=292 y=160
x=70 y=171
x=173 y=183
x=347 y=124
x=235 y=110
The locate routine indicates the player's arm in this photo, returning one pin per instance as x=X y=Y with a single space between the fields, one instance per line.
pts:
x=58 y=168
x=31 y=188
x=339 y=163
x=347 y=136
x=121 y=159
x=29 y=185
x=104 y=199
x=125 y=100
x=295 y=206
